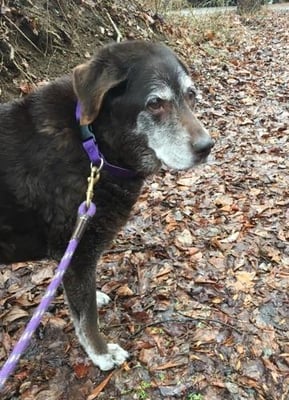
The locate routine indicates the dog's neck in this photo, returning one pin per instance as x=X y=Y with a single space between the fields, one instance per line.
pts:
x=96 y=158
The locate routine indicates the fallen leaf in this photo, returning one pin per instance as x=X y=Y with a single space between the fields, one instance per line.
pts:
x=124 y=291
x=184 y=238
x=80 y=370
x=14 y=314
x=43 y=275
x=94 y=394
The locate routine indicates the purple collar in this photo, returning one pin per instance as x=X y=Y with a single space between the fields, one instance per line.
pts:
x=96 y=158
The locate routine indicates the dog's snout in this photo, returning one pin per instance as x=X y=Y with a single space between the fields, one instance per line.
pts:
x=204 y=146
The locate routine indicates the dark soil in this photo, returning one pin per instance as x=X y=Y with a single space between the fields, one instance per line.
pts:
x=40 y=40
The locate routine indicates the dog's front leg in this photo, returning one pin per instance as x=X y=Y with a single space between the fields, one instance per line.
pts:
x=80 y=288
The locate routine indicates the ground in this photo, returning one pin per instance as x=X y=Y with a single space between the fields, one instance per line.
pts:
x=199 y=276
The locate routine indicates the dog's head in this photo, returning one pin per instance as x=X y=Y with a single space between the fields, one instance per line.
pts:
x=143 y=89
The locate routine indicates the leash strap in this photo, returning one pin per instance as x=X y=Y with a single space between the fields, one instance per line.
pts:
x=84 y=215
x=92 y=150
x=85 y=211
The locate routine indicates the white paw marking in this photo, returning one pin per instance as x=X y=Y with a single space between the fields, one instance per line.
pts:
x=102 y=299
x=115 y=356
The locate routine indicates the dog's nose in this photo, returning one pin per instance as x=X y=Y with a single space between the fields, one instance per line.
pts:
x=203 y=146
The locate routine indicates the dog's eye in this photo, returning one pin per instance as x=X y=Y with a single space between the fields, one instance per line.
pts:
x=156 y=104
x=191 y=96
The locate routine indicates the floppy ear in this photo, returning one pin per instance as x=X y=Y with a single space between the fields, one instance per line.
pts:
x=91 y=81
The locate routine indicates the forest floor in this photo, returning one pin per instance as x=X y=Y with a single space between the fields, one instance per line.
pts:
x=199 y=276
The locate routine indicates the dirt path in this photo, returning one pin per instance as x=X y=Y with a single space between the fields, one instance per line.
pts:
x=279 y=7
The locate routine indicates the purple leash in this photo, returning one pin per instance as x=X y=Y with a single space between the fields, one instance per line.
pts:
x=84 y=216
x=85 y=211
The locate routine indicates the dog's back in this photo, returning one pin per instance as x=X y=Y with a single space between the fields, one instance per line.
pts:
x=30 y=168
x=20 y=236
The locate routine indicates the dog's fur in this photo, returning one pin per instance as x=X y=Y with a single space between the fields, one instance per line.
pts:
x=139 y=99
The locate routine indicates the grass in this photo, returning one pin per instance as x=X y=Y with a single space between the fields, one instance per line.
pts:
x=213 y=33
x=195 y=396
x=142 y=390
x=162 y=6
x=203 y=28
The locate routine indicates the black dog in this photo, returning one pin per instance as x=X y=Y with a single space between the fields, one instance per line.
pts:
x=138 y=99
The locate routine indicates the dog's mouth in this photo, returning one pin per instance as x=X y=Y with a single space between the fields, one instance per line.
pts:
x=202 y=158
x=196 y=160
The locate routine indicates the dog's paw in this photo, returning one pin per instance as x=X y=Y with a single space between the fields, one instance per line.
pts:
x=102 y=299
x=115 y=356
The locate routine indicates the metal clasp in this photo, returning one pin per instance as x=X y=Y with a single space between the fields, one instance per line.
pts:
x=92 y=181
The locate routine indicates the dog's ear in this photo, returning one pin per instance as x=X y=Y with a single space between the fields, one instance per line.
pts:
x=91 y=81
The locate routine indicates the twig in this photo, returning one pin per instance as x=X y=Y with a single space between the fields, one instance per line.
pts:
x=184 y=321
x=165 y=321
x=215 y=321
x=130 y=248
x=28 y=77
x=64 y=14
x=66 y=49
x=22 y=33
x=119 y=35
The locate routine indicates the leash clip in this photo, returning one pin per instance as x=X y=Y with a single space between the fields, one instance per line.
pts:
x=92 y=181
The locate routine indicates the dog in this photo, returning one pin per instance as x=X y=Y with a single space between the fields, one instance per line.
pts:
x=137 y=99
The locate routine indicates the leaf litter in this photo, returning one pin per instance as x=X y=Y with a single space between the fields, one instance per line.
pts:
x=199 y=275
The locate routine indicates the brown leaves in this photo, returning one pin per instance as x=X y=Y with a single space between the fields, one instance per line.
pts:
x=43 y=275
x=199 y=275
x=14 y=314
x=81 y=370
x=184 y=239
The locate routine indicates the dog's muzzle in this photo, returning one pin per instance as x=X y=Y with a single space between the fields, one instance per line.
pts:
x=203 y=147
